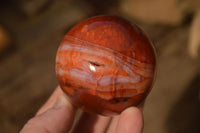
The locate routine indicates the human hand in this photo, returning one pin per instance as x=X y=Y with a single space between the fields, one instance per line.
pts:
x=57 y=116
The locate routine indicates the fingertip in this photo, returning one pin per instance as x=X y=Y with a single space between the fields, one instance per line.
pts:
x=61 y=101
x=134 y=115
x=131 y=120
x=132 y=111
x=49 y=103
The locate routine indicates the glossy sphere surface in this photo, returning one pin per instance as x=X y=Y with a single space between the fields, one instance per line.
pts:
x=105 y=64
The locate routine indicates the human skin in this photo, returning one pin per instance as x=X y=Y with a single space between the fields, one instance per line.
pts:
x=57 y=116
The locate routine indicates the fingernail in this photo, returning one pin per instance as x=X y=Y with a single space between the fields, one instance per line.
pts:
x=132 y=110
x=61 y=101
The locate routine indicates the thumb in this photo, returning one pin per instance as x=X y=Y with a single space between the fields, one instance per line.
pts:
x=57 y=119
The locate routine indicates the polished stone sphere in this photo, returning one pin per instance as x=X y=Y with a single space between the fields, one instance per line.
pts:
x=105 y=64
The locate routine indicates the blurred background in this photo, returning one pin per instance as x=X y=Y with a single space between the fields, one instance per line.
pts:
x=30 y=33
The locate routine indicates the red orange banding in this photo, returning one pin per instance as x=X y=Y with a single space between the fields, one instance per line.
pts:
x=107 y=61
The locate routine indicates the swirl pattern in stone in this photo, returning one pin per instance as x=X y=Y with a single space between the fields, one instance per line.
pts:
x=105 y=64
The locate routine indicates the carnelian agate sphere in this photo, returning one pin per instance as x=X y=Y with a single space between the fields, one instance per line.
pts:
x=105 y=64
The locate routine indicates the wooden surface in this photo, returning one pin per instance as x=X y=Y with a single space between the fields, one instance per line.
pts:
x=27 y=72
